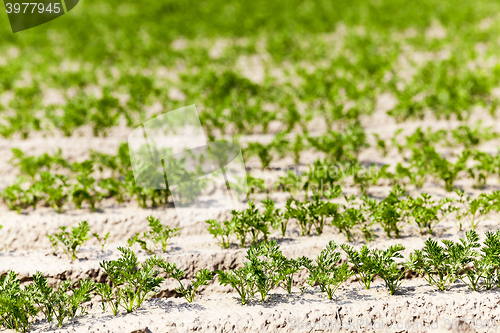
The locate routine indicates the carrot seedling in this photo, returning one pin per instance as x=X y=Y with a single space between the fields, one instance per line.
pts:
x=72 y=241
x=201 y=279
x=241 y=279
x=364 y=264
x=102 y=240
x=132 y=283
x=158 y=235
x=387 y=268
x=64 y=302
x=326 y=271
x=18 y=310
x=221 y=231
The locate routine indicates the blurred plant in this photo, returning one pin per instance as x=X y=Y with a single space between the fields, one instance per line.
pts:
x=471 y=137
x=381 y=145
x=484 y=167
x=85 y=190
x=55 y=189
x=349 y=217
x=426 y=214
x=32 y=165
x=261 y=150
x=23 y=119
x=102 y=240
x=444 y=169
x=114 y=188
x=250 y=221
x=390 y=213
x=471 y=209
x=341 y=146
x=255 y=185
x=16 y=197
x=221 y=231
x=107 y=113
x=322 y=176
x=291 y=182
x=273 y=215
x=299 y=213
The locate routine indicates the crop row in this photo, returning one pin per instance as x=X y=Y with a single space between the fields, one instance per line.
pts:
x=345 y=145
x=158 y=236
x=354 y=217
x=266 y=268
x=225 y=94
x=357 y=215
x=77 y=183
x=131 y=283
x=421 y=160
x=422 y=165
x=356 y=65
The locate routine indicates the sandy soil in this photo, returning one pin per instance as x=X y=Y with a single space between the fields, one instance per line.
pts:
x=26 y=249
x=353 y=310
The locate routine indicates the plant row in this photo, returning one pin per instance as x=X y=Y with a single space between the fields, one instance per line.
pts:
x=346 y=144
x=77 y=183
x=53 y=181
x=422 y=164
x=158 y=236
x=265 y=269
x=130 y=284
x=225 y=93
x=421 y=160
x=356 y=217
x=353 y=218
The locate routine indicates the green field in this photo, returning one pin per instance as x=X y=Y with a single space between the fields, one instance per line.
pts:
x=327 y=52
x=303 y=87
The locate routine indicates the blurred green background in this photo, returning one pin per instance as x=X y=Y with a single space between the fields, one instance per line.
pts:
x=312 y=55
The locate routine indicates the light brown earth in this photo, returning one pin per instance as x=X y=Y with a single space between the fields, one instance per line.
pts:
x=26 y=249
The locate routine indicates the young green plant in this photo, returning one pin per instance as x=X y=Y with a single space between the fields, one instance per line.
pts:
x=201 y=278
x=326 y=271
x=71 y=241
x=132 y=283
